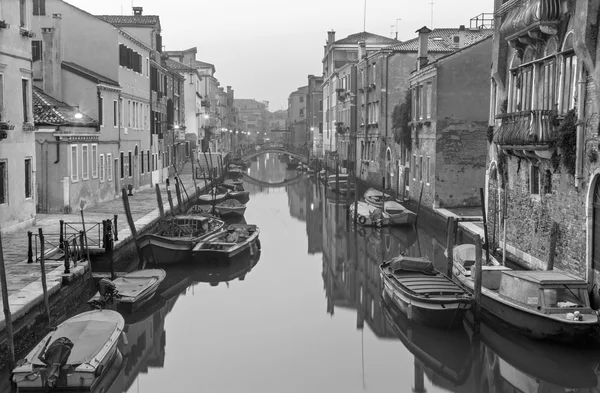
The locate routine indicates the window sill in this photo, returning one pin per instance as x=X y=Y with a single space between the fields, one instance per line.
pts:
x=74 y=180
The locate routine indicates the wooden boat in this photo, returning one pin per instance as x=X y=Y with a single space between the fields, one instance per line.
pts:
x=202 y=209
x=128 y=292
x=234 y=173
x=369 y=215
x=176 y=236
x=216 y=194
x=231 y=207
x=376 y=198
x=424 y=294
x=230 y=184
x=342 y=182
x=399 y=215
x=76 y=355
x=226 y=244
x=545 y=305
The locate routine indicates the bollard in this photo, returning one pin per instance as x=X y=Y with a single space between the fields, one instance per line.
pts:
x=67 y=257
x=115 y=232
x=61 y=237
x=82 y=243
x=29 y=247
x=104 y=222
x=76 y=251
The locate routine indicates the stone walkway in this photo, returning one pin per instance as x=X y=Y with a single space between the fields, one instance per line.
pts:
x=143 y=203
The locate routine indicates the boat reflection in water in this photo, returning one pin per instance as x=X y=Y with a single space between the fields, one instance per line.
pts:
x=145 y=328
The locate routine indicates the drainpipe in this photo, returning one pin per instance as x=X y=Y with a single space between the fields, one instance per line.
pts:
x=580 y=130
x=57 y=151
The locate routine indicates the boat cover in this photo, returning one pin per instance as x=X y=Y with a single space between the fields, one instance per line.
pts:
x=132 y=286
x=412 y=264
x=88 y=338
x=231 y=203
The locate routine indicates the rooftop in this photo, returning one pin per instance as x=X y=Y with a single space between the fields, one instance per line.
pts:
x=178 y=66
x=442 y=40
x=88 y=74
x=367 y=38
x=131 y=20
x=49 y=111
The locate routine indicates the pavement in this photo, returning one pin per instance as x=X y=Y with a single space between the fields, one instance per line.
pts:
x=461 y=213
x=24 y=279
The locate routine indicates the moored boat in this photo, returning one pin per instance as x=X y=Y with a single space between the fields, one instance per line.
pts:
x=545 y=305
x=232 y=183
x=238 y=193
x=176 y=236
x=128 y=292
x=424 y=294
x=369 y=215
x=215 y=194
x=201 y=209
x=226 y=244
x=399 y=215
x=376 y=198
x=234 y=172
x=231 y=207
x=339 y=184
x=76 y=355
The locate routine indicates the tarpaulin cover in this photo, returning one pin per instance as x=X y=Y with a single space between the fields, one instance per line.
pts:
x=412 y=264
x=88 y=338
x=133 y=286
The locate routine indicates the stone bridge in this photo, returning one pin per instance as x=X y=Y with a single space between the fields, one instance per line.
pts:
x=266 y=184
x=248 y=152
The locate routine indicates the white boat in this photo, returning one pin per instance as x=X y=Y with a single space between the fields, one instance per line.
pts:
x=231 y=207
x=545 y=305
x=376 y=198
x=399 y=215
x=128 y=292
x=369 y=215
x=76 y=355
x=229 y=243
x=216 y=195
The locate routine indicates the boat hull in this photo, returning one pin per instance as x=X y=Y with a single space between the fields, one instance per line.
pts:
x=166 y=250
x=405 y=218
x=231 y=211
x=446 y=315
x=208 y=199
x=240 y=196
x=212 y=254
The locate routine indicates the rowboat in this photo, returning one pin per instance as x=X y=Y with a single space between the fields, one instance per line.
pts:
x=201 y=209
x=234 y=172
x=399 y=215
x=376 y=198
x=546 y=305
x=76 y=355
x=424 y=294
x=239 y=194
x=176 y=236
x=226 y=244
x=231 y=207
x=215 y=194
x=232 y=183
x=369 y=215
x=338 y=184
x=128 y=292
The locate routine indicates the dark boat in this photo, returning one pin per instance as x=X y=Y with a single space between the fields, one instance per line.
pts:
x=234 y=173
x=227 y=244
x=238 y=193
x=216 y=194
x=232 y=183
x=424 y=294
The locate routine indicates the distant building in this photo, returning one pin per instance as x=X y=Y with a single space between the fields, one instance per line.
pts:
x=255 y=115
x=18 y=194
x=296 y=117
x=314 y=114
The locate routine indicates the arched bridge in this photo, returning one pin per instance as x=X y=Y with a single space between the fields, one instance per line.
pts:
x=266 y=184
x=245 y=153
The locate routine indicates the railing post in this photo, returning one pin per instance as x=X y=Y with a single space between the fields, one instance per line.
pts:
x=104 y=234
x=61 y=238
x=67 y=257
x=116 y=236
x=29 y=247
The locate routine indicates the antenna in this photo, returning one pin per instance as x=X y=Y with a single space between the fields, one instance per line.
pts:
x=431 y=3
x=365 y=17
x=392 y=31
x=397 y=20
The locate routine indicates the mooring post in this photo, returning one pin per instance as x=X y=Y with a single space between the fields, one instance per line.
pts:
x=451 y=223
x=115 y=231
x=29 y=247
x=477 y=279
x=552 y=248
x=485 y=231
x=419 y=205
x=67 y=257
x=110 y=246
x=170 y=198
x=161 y=209
x=87 y=248
x=61 y=236
x=132 y=227
x=6 y=307
x=178 y=194
x=83 y=242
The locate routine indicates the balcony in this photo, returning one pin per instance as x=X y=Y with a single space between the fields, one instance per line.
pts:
x=531 y=132
x=525 y=21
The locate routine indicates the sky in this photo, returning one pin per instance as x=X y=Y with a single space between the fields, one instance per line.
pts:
x=265 y=49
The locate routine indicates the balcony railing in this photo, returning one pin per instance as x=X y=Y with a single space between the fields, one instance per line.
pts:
x=525 y=17
x=534 y=127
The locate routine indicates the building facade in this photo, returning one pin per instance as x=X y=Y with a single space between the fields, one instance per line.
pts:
x=296 y=117
x=255 y=116
x=314 y=114
x=17 y=140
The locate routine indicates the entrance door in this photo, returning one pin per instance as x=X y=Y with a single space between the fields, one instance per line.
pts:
x=596 y=229
x=116 y=176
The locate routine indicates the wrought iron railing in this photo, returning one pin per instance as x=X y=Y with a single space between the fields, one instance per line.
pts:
x=534 y=127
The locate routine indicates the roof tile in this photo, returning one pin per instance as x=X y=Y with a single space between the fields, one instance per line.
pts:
x=368 y=38
x=146 y=20
x=49 y=111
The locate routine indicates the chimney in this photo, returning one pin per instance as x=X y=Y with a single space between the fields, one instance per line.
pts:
x=52 y=58
x=462 y=36
x=137 y=11
x=189 y=55
x=362 y=50
x=422 y=50
x=330 y=37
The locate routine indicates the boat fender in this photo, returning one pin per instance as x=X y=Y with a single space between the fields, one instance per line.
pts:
x=409 y=312
x=258 y=244
x=362 y=219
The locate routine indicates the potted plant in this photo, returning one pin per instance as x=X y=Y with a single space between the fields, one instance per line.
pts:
x=4 y=25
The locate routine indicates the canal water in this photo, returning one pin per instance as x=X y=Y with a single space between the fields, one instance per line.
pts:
x=306 y=315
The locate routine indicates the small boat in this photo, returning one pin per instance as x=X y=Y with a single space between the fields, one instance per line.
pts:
x=176 y=236
x=424 y=294
x=239 y=194
x=216 y=194
x=231 y=207
x=376 y=198
x=76 y=355
x=232 y=183
x=369 y=215
x=202 y=209
x=226 y=244
x=399 y=215
x=342 y=182
x=234 y=172
x=128 y=292
x=546 y=305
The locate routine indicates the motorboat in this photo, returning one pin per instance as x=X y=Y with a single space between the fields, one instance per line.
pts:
x=226 y=244
x=369 y=215
x=76 y=355
x=376 y=198
x=215 y=194
x=424 y=294
x=176 y=236
x=546 y=305
x=231 y=207
x=202 y=209
x=130 y=291
x=399 y=215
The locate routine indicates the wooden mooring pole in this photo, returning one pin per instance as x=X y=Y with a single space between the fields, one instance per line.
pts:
x=87 y=248
x=170 y=198
x=485 y=231
x=161 y=209
x=450 y=240
x=180 y=206
x=43 y=270
x=7 y=316
x=132 y=227
x=419 y=205
x=553 y=240
x=477 y=280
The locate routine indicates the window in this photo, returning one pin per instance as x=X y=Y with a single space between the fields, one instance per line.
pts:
x=109 y=167
x=456 y=39
x=28 y=176
x=147 y=66
x=39 y=7
x=428 y=101
x=25 y=93
x=36 y=50
x=101 y=168
x=121 y=111
x=548 y=182
x=94 y=161
x=301 y=98
x=122 y=165
x=564 y=298
x=115 y=113
x=568 y=82
x=141 y=162
x=74 y=161
x=23 y=12
x=421 y=168
x=84 y=162
x=548 y=93
x=374 y=73
x=301 y=112
x=535 y=180
x=101 y=111
x=129 y=164
x=128 y=115
x=3 y=182
x=427 y=169
x=2 y=97
x=414 y=166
